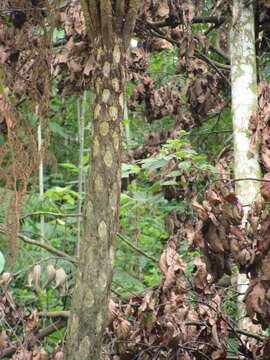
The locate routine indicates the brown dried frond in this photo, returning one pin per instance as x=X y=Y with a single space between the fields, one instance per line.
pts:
x=25 y=57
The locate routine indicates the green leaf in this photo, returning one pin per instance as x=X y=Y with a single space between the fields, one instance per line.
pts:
x=184 y=165
x=70 y=166
x=154 y=163
x=56 y=128
x=2 y=262
x=169 y=182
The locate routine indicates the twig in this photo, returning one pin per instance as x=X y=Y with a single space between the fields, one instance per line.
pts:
x=248 y=179
x=246 y=333
x=210 y=132
x=214 y=65
x=59 y=324
x=45 y=246
x=37 y=262
x=8 y=11
x=52 y=314
x=136 y=248
x=50 y=213
x=239 y=331
x=195 y=20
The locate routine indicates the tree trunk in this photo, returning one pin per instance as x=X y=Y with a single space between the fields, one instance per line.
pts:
x=110 y=37
x=244 y=102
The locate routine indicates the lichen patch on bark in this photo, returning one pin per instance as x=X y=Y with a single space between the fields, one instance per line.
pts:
x=95 y=147
x=121 y=100
x=99 y=322
x=84 y=347
x=98 y=85
x=104 y=128
x=98 y=184
x=115 y=84
x=106 y=69
x=106 y=95
x=116 y=141
x=102 y=280
x=99 y=53
x=113 y=113
x=102 y=231
x=97 y=111
x=89 y=299
x=116 y=54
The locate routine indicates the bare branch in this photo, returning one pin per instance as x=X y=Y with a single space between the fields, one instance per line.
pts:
x=119 y=14
x=136 y=248
x=49 y=213
x=59 y=324
x=106 y=21
x=195 y=20
x=53 y=314
x=45 y=246
x=130 y=20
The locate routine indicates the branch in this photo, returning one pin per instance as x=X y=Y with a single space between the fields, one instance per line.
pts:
x=47 y=247
x=91 y=18
x=199 y=55
x=220 y=52
x=195 y=20
x=59 y=324
x=106 y=21
x=52 y=314
x=130 y=20
x=239 y=331
x=50 y=213
x=120 y=11
x=214 y=65
x=28 y=268
x=248 y=179
x=136 y=248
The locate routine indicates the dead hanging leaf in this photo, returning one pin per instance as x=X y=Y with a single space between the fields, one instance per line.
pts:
x=123 y=329
x=23 y=354
x=255 y=300
x=40 y=354
x=59 y=355
x=265 y=188
x=60 y=277
x=218 y=355
x=112 y=311
x=202 y=214
x=51 y=273
x=265 y=157
x=188 y=13
x=3 y=340
x=200 y=276
x=6 y=279
x=30 y=279
x=231 y=197
x=31 y=323
x=61 y=281
x=36 y=276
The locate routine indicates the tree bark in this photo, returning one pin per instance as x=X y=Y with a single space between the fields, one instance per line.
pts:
x=244 y=102
x=111 y=28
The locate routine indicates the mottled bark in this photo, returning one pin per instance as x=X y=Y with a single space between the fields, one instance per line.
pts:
x=110 y=33
x=244 y=102
x=94 y=275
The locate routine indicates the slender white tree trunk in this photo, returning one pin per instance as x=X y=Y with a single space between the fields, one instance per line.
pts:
x=81 y=116
x=41 y=174
x=244 y=102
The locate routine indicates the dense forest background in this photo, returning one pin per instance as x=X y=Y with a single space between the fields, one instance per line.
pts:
x=181 y=243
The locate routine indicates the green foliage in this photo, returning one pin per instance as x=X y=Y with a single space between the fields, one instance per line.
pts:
x=2 y=262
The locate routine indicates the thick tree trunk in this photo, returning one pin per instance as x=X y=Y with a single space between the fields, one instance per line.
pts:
x=244 y=102
x=93 y=283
